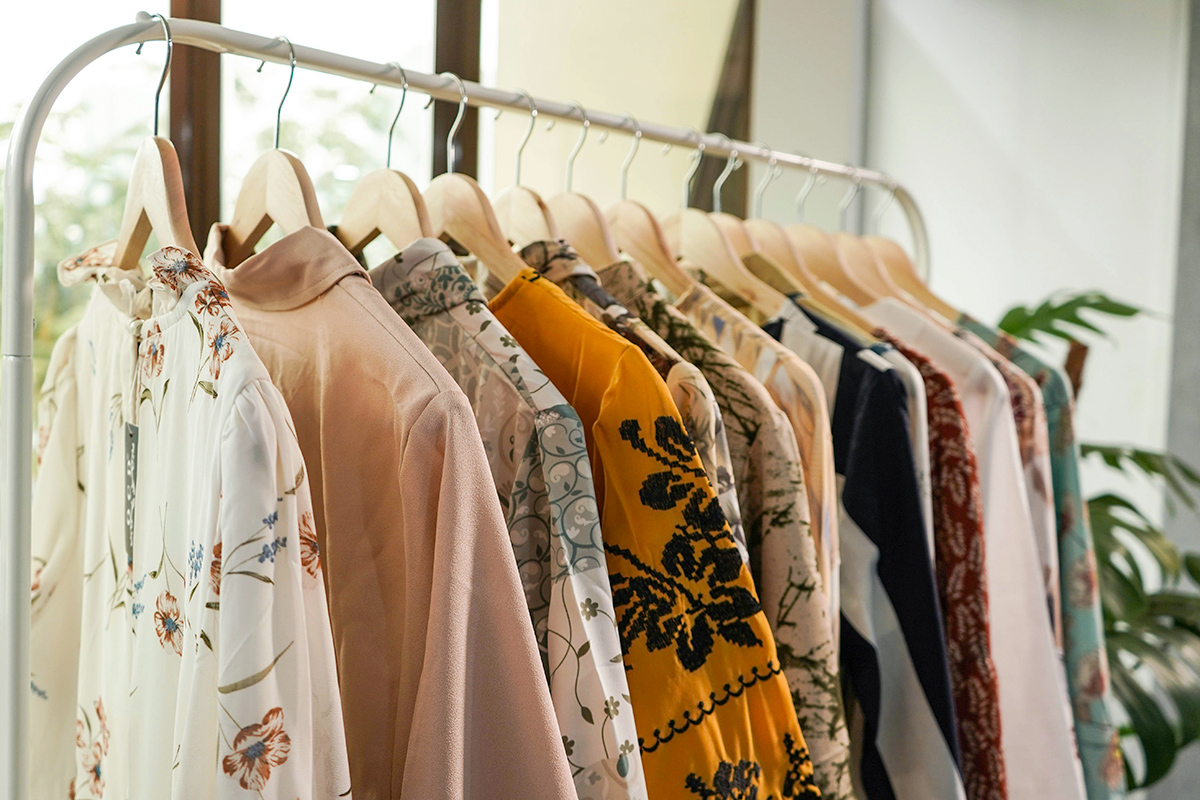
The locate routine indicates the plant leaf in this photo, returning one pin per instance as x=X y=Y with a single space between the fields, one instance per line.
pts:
x=256 y=677
x=207 y=386
x=1060 y=316
x=1177 y=475
x=1150 y=726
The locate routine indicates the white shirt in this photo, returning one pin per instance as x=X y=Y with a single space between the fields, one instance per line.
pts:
x=1037 y=731
x=181 y=645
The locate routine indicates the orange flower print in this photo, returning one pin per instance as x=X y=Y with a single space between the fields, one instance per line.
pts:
x=211 y=298
x=71 y=790
x=310 y=550
x=36 y=583
x=220 y=342
x=1091 y=681
x=93 y=768
x=214 y=569
x=1082 y=583
x=1114 y=765
x=176 y=268
x=153 y=352
x=102 y=718
x=80 y=737
x=168 y=623
x=256 y=749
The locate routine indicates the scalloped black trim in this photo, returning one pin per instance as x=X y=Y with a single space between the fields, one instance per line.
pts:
x=773 y=669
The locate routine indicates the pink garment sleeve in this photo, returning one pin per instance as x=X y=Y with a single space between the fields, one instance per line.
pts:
x=482 y=724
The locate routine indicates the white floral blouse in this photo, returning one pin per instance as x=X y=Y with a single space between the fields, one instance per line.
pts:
x=536 y=449
x=181 y=643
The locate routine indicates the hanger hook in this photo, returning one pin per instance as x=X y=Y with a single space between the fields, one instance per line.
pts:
x=814 y=176
x=855 y=186
x=637 y=140
x=773 y=172
x=697 y=156
x=395 y=119
x=583 y=132
x=732 y=163
x=291 y=75
x=162 y=81
x=533 y=115
x=462 y=109
x=883 y=206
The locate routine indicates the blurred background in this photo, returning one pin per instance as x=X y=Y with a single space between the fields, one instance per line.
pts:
x=1048 y=145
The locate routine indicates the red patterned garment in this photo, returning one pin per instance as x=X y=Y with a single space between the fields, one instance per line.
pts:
x=962 y=580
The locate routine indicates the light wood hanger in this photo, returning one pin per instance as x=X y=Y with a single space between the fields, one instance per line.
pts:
x=904 y=273
x=155 y=200
x=639 y=234
x=522 y=213
x=385 y=202
x=459 y=209
x=821 y=255
x=581 y=221
x=697 y=238
x=861 y=261
x=276 y=191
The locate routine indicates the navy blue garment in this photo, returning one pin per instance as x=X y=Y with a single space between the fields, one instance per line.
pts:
x=874 y=458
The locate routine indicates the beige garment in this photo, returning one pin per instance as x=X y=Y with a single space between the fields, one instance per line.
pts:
x=797 y=390
x=442 y=685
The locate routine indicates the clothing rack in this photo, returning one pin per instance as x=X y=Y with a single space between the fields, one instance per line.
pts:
x=16 y=335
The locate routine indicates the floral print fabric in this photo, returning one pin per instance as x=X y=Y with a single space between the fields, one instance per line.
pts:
x=536 y=448
x=766 y=466
x=181 y=641
x=713 y=711
x=1083 y=631
x=962 y=580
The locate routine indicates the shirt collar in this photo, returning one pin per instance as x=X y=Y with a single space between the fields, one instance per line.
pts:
x=425 y=278
x=289 y=273
x=556 y=259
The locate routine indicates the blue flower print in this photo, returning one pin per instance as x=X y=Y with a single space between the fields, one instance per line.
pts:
x=269 y=550
x=138 y=608
x=195 y=561
x=271 y=520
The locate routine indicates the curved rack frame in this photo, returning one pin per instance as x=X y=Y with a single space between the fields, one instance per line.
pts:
x=16 y=335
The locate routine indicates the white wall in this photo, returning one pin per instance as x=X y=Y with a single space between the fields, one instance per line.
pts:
x=658 y=60
x=1043 y=141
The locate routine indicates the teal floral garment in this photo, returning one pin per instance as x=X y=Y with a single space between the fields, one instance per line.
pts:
x=538 y=456
x=1083 y=631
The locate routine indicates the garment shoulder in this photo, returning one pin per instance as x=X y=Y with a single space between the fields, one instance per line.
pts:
x=389 y=341
x=62 y=360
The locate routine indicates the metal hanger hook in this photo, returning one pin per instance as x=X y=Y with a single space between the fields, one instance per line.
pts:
x=533 y=115
x=291 y=76
x=814 y=176
x=885 y=204
x=697 y=156
x=583 y=132
x=773 y=172
x=855 y=186
x=162 y=81
x=458 y=118
x=395 y=119
x=637 y=140
x=732 y=163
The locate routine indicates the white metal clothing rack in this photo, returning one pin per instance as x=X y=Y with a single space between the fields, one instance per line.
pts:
x=16 y=336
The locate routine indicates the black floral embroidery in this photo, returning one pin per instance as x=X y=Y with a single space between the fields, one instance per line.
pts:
x=695 y=596
x=741 y=781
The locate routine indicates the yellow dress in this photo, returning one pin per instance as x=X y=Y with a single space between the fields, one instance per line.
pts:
x=713 y=712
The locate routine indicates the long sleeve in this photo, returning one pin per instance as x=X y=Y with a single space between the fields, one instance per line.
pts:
x=481 y=724
x=263 y=626
x=57 y=571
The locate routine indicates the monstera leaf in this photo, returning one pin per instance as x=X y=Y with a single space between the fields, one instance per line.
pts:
x=1061 y=316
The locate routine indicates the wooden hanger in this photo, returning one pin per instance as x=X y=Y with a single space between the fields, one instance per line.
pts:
x=459 y=209
x=582 y=221
x=386 y=202
x=155 y=200
x=823 y=259
x=900 y=267
x=522 y=213
x=775 y=245
x=276 y=191
x=698 y=239
x=637 y=232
